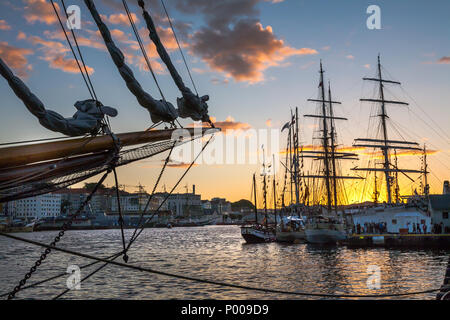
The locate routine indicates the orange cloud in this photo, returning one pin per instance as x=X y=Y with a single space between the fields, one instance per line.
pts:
x=120 y=18
x=400 y=153
x=21 y=35
x=16 y=58
x=311 y=147
x=4 y=25
x=229 y=124
x=40 y=11
x=244 y=50
x=269 y=122
x=54 y=53
x=176 y=164
x=65 y=64
x=93 y=40
x=444 y=60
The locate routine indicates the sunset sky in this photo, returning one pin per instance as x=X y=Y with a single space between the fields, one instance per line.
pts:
x=256 y=59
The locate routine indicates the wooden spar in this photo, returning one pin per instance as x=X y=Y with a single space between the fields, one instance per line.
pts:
x=49 y=169
x=22 y=155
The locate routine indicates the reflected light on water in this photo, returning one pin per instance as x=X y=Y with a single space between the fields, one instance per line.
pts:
x=217 y=253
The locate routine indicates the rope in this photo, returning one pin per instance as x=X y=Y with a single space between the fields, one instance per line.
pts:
x=172 y=190
x=144 y=53
x=73 y=51
x=153 y=192
x=135 y=236
x=79 y=52
x=59 y=275
x=125 y=257
x=55 y=240
x=217 y=283
x=89 y=275
x=36 y=140
x=179 y=46
x=86 y=78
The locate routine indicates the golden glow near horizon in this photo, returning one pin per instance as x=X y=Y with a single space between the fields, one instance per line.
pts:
x=255 y=70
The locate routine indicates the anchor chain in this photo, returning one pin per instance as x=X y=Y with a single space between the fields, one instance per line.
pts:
x=61 y=233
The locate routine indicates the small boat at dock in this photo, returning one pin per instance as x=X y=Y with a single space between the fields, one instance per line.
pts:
x=291 y=229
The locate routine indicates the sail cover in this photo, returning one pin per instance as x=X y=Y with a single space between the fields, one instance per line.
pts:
x=87 y=119
x=190 y=105
x=160 y=110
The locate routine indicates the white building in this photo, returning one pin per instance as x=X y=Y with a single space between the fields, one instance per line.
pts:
x=183 y=204
x=396 y=218
x=136 y=202
x=46 y=205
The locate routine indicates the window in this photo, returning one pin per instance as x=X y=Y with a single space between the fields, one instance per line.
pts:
x=394 y=221
x=444 y=215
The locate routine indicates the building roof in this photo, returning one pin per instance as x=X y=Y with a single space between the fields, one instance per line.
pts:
x=440 y=201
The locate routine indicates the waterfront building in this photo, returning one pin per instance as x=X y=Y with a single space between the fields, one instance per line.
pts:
x=42 y=206
x=183 y=204
x=73 y=198
x=220 y=205
x=440 y=208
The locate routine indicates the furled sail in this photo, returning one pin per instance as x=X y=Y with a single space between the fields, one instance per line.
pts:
x=190 y=105
x=160 y=110
x=87 y=120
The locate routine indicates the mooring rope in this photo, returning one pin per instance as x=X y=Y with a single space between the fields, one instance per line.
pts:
x=217 y=283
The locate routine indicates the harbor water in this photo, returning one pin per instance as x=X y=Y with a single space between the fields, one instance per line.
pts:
x=217 y=253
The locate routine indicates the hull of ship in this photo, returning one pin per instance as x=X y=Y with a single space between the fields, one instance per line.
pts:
x=324 y=236
x=17 y=229
x=253 y=235
x=291 y=236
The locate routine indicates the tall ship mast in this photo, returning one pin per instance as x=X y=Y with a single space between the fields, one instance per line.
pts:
x=387 y=146
x=259 y=232
x=326 y=227
x=327 y=154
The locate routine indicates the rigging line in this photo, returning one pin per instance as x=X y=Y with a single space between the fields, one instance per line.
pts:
x=88 y=276
x=60 y=275
x=119 y=208
x=71 y=48
x=417 y=104
x=79 y=51
x=133 y=239
x=217 y=283
x=152 y=194
x=172 y=190
x=179 y=46
x=37 y=140
x=55 y=240
x=421 y=109
x=141 y=45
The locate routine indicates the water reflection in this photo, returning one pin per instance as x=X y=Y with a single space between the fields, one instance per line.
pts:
x=218 y=253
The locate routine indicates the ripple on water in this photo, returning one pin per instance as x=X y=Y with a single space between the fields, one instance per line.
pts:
x=216 y=253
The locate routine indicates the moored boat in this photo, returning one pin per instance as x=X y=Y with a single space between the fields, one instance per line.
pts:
x=291 y=229
x=258 y=233
x=324 y=230
x=17 y=227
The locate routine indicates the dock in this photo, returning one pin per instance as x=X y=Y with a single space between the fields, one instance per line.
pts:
x=444 y=292
x=398 y=240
